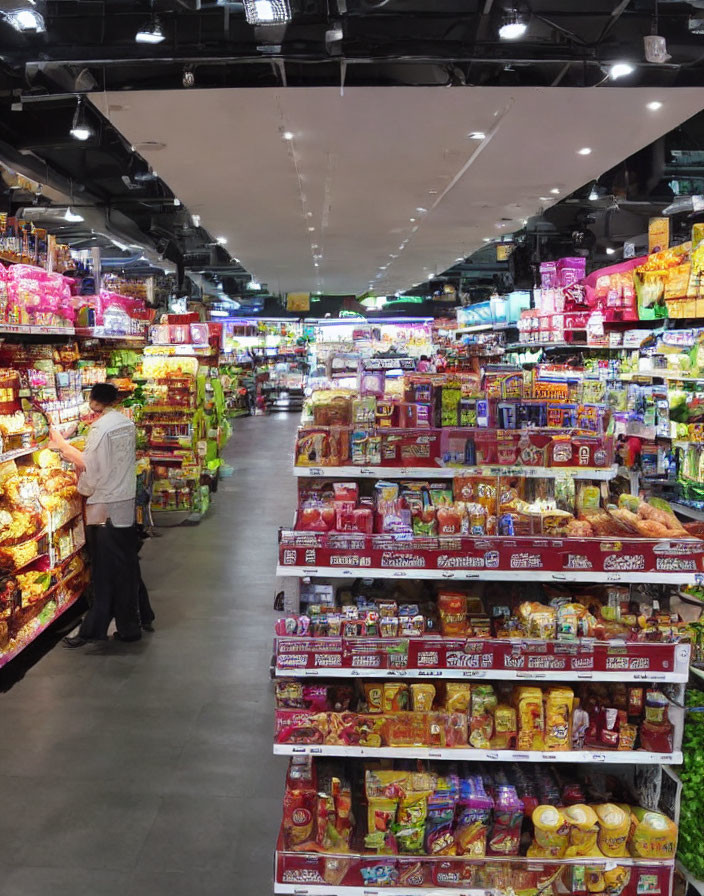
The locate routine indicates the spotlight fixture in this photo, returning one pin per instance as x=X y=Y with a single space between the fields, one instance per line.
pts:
x=254 y=285
x=221 y=240
x=25 y=19
x=195 y=219
x=514 y=25
x=80 y=129
x=151 y=32
x=555 y=191
x=477 y=135
x=621 y=70
x=311 y=229
x=655 y=105
x=189 y=78
x=267 y=12
x=584 y=151
x=287 y=135
x=594 y=194
x=610 y=250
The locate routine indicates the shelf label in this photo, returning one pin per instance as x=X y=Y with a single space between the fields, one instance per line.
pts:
x=492 y=754
x=315 y=471
x=598 y=757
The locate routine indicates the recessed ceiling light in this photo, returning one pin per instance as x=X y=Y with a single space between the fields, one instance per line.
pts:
x=413 y=220
x=459 y=258
x=555 y=191
x=487 y=239
x=477 y=135
x=309 y=214
x=287 y=135
x=432 y=192
x=610 y=251
x=421 y=211
x=222 y=240
x=621 y=70
x=314 y=246
x=315 y=263
x=311 y=229
x=545 y=199
x=655 y=105
x=584 y=151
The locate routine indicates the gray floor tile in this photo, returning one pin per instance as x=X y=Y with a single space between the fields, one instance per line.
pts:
x=147 y=770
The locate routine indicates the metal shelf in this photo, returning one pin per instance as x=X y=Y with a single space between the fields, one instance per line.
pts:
x=536 y=575
x=611 y=757
x=601 y=474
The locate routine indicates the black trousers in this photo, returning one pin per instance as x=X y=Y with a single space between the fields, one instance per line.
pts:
x=116 y=579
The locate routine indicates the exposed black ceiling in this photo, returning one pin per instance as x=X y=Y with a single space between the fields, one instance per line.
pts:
x=89 y=46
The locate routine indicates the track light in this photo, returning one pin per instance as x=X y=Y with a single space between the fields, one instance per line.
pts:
x=80 y=129
x=25 y=19
x=594 y=194
x=151 y=32
x=267 y=12
x=514 y=25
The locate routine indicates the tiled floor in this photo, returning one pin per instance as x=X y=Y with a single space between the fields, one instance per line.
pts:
x=146 y=770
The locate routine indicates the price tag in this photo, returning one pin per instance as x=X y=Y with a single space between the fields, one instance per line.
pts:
x=316 y=749
x=448 y=575
x=492 y=754
x=473 y=673
x=434 y=754
x=365 y=471
x=430 y=673
x=549 y=756
x=613 y=577
x=558 y=577
x=520 y=757
x=400 y=574
x=585 y=676
x=315 y=471
x=598 y=757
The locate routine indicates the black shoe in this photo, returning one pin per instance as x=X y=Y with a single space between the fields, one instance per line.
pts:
x=75 y=641
x=147 y=627
x=118 y=637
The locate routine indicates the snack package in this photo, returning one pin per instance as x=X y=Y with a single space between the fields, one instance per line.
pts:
x=558 y=713
x=531 y=719
x=396 y=696
x=422 y=697
x=550 y=832
x=584 y=830
x=457 y=696
x=508 y=818
x=473 y=816
x=374 y=695
x=652 y=835
x=505 y=727
x=614 y=826
x=452 y=608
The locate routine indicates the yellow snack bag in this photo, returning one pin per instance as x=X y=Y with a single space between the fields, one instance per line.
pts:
x=652 y=835
x=558 y=716
x=584 y=830
x=531 y=717
x=457 y=696
x=422 y=697
x=614 y=825
x=550 y=830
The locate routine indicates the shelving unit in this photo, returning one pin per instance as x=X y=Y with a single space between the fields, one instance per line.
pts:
x=338 y=559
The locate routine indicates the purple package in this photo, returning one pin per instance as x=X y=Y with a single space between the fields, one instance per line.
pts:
x=570 y=270
x=508 y=819
x=548 y=275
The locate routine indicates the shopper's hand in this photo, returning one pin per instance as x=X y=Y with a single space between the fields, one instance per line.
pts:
x=56 y=439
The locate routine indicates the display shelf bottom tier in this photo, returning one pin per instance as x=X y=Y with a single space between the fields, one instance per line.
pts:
x=321 y=874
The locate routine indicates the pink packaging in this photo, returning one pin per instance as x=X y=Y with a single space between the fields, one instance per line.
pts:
x=570 y=270
x=548 y=275
x=200 y=334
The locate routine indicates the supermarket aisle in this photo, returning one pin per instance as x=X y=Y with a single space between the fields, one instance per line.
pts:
x=147 y=770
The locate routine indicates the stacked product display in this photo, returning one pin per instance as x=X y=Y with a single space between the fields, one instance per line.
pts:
x=469 y=583
x=181 y=422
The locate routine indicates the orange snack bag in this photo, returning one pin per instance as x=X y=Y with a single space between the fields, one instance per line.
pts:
x=453 y=614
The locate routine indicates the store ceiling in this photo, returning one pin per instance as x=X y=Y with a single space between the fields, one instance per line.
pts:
x=360 y=165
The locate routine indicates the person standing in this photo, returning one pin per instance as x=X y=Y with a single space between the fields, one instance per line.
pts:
x=107 y=468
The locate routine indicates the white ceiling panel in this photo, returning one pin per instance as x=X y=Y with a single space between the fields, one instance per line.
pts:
x=359 y=166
